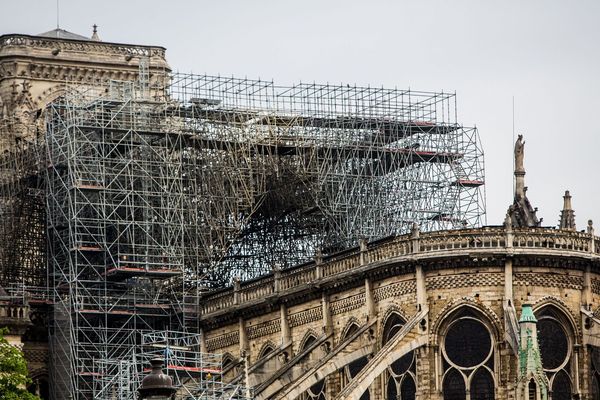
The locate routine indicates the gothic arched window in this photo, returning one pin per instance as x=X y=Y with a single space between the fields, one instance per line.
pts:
x=556 y=344
x=316 y=391
x=266 y=350
x=468 y=358
x=400 y=378
x=353 y=368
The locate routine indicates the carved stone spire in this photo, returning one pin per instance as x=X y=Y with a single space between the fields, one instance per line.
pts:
x=521 y=213
x=567 y=215
x=532 y=381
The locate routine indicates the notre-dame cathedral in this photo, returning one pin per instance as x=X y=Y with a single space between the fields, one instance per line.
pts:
x=507 y=311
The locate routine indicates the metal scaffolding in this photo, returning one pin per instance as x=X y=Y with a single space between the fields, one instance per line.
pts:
x=22 y=213
x=278 y=173
x=196 y=375
x=154 y=194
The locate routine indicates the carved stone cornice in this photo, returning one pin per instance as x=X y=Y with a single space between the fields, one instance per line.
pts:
x=11 y=42
x=78 y=74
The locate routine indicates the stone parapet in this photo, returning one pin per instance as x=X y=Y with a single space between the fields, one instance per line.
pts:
x=487 y=242
x=25 y=44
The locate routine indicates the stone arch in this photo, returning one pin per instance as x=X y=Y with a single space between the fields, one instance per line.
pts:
x=53 y=93
x=267 y=348
x=393 y=309
x=349 y=328
x=308 y=336
x=565 y=312
x=350 y=370
x=558 y=335
x=400 y=375
x=386 y=316
x=446 y=315
x=40 y=381
x=475 y=369
x=227 y=359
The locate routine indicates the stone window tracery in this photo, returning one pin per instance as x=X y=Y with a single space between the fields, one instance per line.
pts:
x=556 y=348
x=467 y=358
x=400 y=377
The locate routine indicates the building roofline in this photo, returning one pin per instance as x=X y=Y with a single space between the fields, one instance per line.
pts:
x=88 y=41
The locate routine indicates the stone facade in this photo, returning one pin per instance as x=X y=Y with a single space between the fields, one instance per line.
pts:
x=34 y=70
x=428 y=281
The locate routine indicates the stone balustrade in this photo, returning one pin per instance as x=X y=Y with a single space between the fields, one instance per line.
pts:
x=14 y=311
x=81 y=46
x=427 y=245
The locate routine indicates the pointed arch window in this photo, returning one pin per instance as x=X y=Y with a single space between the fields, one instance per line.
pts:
x=401 y=376
x=468 y=358
x=353 y=368
x=316 y=391
x=556 y=347
x=532 y=390
x=266 y=350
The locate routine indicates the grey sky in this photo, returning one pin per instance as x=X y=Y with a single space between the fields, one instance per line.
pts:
x=544 y=53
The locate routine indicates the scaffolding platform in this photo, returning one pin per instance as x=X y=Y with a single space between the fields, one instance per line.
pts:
x=121 y=273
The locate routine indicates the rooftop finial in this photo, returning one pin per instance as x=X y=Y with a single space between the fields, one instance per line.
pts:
x=567 y=215
x=95 y=36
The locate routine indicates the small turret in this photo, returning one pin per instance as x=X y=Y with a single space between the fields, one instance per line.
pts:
x=567 y=215
x=532 y=382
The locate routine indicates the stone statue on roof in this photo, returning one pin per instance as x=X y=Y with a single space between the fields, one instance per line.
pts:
x=519 y=154
x=521 y=213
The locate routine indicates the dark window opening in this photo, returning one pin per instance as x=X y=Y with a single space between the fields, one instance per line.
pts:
x=532 y=390
x=482 y=385
x=408 y=389
x=468 y=343
x=454 y=386
x=554 y=345
x=561 y=387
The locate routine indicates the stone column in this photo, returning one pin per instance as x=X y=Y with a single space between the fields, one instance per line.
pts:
x=318 y=265
x=236 y=289
x=576 y=384
x=508 y=280
x=243 y=337
x=362 y=243
x=327 y=321
x=508 y=264
x=286 y=333
x=370 y=299
x=586 y=295
x=421 y=287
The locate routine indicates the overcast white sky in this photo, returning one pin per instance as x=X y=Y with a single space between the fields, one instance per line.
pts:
x=544 y=53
